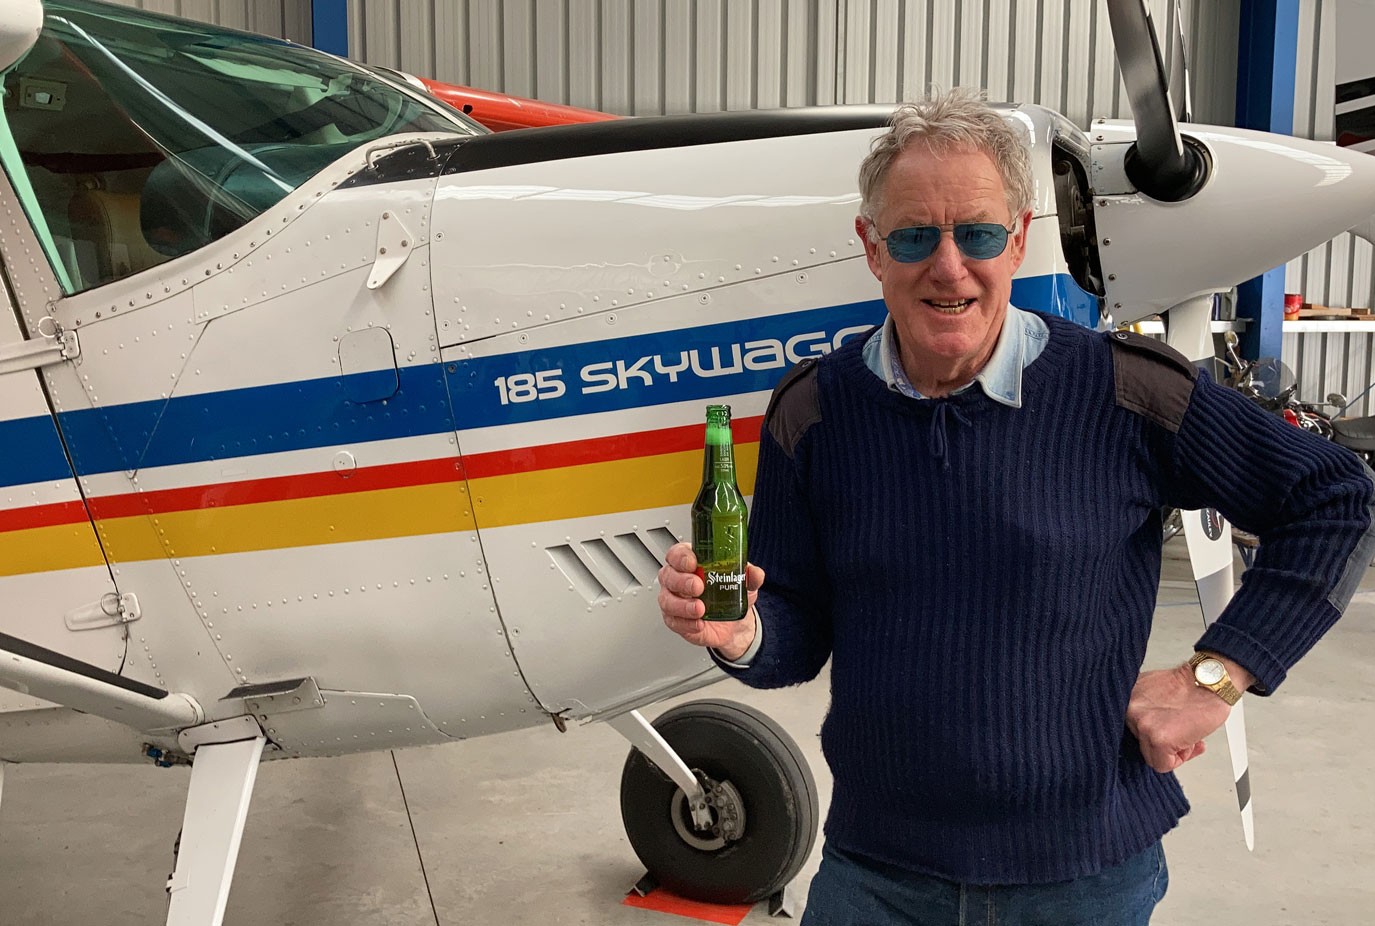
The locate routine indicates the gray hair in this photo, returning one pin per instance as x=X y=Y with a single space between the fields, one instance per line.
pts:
x=958 y=119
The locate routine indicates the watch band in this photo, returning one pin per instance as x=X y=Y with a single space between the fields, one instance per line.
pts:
x=1223 y=688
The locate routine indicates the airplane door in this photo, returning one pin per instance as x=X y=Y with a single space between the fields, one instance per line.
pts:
x=54 y=580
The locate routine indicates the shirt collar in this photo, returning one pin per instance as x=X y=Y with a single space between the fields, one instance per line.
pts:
x=1000 y=378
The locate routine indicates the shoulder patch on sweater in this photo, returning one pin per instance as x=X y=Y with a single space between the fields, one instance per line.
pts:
x=794 y=406
x=1151 y=378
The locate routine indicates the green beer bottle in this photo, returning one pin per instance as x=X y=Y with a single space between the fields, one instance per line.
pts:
x=718 y=524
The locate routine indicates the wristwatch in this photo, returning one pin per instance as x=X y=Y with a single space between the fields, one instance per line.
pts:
x=1210 y=673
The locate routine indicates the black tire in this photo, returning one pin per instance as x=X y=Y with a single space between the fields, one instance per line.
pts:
x=727 y=742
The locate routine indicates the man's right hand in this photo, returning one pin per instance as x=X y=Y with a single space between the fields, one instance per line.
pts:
x=680 y=591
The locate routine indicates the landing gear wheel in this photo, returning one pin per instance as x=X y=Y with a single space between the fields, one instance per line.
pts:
x=761 y=794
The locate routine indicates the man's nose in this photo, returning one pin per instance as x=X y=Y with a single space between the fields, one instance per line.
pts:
x=947 y=262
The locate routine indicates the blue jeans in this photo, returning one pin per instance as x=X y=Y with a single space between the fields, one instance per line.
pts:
x=852 y=891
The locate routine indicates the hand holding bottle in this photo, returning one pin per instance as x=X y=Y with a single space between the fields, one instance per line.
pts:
x=680 y=604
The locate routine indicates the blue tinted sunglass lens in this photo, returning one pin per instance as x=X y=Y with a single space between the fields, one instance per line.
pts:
x=909 y=245
x=976 y=240
x=980 y=240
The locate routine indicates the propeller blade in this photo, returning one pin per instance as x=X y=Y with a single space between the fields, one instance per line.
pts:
x=1179 y=69
x=1210 y=554
x=1160 y=164
x=1241 y=771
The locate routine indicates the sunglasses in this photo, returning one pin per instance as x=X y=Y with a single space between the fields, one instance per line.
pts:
x=977 y=240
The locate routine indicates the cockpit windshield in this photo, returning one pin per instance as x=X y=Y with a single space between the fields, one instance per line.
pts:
x=133 y=138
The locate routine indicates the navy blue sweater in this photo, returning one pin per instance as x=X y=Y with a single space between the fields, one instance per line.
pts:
x=983 y=580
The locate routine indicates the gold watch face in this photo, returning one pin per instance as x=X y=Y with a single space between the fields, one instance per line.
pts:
x=1209 y=672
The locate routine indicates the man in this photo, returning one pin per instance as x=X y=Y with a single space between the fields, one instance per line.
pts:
x=961 y=512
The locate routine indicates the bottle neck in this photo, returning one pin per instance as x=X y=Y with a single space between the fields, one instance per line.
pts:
x=718 y=459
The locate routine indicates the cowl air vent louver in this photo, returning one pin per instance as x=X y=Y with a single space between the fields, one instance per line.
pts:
x=603 y=568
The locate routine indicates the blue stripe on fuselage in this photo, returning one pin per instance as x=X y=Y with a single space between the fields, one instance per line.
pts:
x=255 y=420
x=686 y=364
x=32 y=452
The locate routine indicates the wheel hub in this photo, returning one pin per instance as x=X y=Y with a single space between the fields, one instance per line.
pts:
x=725 y=808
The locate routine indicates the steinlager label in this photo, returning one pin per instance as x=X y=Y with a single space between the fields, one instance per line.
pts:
x=718 y=524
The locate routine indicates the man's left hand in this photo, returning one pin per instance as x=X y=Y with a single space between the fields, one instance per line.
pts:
x=1170 y=716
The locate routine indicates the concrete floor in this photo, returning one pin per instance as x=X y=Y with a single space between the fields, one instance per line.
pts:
x=525 y=828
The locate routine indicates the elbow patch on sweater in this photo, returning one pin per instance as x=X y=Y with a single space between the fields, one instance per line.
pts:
x=1151 y=378
x=794 y=406
x=1358 y=561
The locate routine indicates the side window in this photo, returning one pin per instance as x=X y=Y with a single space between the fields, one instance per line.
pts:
x=133 y=138
x=80 y=166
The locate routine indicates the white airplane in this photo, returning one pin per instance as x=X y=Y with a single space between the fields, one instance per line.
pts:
x=335 y=423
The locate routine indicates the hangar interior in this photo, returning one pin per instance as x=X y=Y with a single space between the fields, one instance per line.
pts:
x=524 y=827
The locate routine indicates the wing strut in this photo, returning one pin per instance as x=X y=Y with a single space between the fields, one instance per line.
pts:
x=1210 y=553
x=57 y=677
x=222 y=778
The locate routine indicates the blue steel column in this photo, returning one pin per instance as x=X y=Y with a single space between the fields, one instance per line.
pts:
x=329 y=21
x=1267 y=55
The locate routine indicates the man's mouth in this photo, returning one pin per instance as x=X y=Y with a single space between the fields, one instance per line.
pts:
x=949 y=306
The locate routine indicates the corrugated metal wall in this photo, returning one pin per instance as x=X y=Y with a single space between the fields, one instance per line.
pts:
x=633 y=57
x=1339 y=358
x=286 y=19
x=1338 y=273
x=639 y=57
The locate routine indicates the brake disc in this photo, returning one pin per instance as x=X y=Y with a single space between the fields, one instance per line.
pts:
x=727 y=810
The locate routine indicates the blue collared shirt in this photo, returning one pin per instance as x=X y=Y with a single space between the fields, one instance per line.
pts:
x=1021 y=341
x=1019 y=344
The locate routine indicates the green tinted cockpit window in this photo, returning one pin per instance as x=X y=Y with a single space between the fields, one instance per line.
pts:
x=134 y=138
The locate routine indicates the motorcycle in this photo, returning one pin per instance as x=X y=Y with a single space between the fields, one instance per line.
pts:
x=1270 y=384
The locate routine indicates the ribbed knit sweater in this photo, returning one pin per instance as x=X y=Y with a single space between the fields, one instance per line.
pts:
x=983 y=579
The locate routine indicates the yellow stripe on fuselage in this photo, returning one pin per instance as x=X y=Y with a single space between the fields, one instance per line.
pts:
x=297 y=522
x=48 y=549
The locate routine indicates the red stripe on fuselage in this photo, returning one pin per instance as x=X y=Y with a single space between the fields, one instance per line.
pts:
x=19 y=519
x=277 y=488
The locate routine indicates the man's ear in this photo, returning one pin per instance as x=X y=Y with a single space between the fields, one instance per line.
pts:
x=864 y=229
x=1017 y=246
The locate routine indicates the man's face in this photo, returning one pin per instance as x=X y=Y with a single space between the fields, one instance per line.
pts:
x=948 y=308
